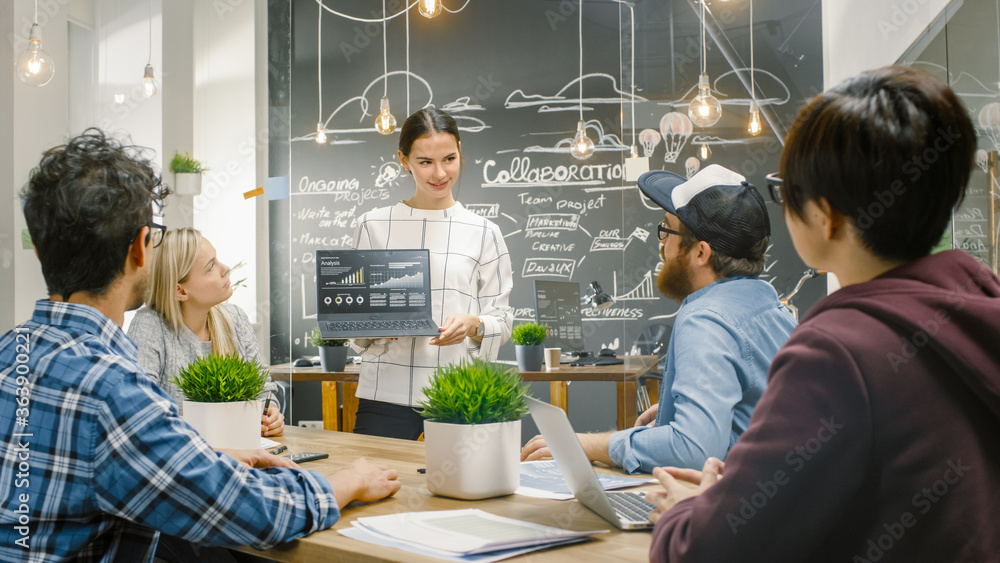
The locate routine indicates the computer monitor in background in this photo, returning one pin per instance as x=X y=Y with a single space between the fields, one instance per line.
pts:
x=557 y=304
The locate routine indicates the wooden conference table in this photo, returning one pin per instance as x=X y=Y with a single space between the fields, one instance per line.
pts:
x=340 y=403
x=406 y=457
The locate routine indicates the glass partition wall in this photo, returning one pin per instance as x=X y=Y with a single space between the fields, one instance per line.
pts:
x=963 y=48
x=519 y=76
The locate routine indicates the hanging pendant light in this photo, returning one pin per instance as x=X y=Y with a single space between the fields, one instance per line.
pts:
x=429 y=8
x=119 y=96
x=320 y=127
x=34 y=66
x=385 y=123
x=582 y=147
x=148 y=85
x=704 y=110
x=755 y=126
x=704 y=152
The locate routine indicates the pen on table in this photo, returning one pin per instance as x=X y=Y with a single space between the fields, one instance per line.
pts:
x=267 y=404
x=422 y=470
x=278 y=450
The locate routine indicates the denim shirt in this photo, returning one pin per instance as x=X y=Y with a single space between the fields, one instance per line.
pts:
x=715 y=370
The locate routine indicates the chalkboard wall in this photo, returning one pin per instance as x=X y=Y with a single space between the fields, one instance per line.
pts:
x=509 y=73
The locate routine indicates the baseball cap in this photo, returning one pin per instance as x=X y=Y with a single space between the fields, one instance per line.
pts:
x=718 y=205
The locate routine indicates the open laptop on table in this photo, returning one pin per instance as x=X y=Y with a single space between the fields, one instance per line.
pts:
x=374 y=293
x=626 y=510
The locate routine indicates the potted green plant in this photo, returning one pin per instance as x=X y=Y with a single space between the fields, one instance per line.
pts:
x=222 y=399
x=472 y=431
x=528 y=339
x=332 y=351
x=187 y=174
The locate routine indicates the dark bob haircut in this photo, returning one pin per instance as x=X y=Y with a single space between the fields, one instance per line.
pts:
x=891 y=149
x=425 y=122
x=84 y=204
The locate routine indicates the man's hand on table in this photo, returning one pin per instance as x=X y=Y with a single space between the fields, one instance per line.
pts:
x=594 y=445
x=259 y=459
x=363 y=481
x=675 y=491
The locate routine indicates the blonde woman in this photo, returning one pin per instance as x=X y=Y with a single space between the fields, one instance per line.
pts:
x=186 y=317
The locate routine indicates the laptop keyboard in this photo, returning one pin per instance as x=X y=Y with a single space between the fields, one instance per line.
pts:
x=631 y=506
x=398 y=325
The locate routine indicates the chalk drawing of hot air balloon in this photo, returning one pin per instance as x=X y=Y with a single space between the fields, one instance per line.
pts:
x=675 y=128
x=982 y=159
x=691 y=166
x=649 y=139
x=989 y=120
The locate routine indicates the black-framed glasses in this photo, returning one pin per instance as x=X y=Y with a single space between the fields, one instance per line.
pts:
x=155 y=235
x=662 y=232
x=774 y=185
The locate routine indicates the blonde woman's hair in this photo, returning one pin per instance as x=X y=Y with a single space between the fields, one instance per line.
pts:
x=172 y=263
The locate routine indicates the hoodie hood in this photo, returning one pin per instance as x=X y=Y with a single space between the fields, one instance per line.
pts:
x=948 y=304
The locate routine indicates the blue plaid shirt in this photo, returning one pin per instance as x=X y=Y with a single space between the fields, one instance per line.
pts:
x=97 y=459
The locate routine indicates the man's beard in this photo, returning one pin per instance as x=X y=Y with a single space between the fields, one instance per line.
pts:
x=674 y=279
x=139 y=292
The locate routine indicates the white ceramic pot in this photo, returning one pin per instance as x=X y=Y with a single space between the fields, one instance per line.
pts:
x=472 y=461
x=187 y=184
x=226 y=425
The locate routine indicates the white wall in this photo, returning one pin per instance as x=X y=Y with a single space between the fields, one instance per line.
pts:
x=123 y=48
x=9 y=243
x=863 y=34
x=225 y=136
x=39 y=121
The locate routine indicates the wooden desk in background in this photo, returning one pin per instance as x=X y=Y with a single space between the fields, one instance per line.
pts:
x=405 y=457
x=339 y=388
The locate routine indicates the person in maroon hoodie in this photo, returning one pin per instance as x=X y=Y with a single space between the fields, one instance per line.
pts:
x=878 y=437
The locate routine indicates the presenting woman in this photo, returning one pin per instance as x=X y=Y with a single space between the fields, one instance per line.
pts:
x=186 y=317
x=470 y=280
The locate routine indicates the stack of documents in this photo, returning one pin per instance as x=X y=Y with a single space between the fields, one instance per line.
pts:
x=542 y=479
x=460 y=535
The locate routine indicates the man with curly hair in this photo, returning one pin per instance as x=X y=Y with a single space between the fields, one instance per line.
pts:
x=98 y=461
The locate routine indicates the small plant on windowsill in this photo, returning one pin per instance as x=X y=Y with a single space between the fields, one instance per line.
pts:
x=186 y=164
x=332 y=351
x=528 y=339
x=222 y=395
x=187 y=174
x=472 y=430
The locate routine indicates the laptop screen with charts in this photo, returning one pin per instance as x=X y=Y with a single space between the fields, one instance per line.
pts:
x=374 y=293
x=626 y=510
